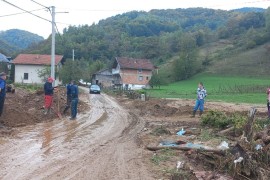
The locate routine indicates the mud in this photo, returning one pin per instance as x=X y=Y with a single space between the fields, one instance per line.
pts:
x=100 y=144
x=107 y=141
x=23 y=108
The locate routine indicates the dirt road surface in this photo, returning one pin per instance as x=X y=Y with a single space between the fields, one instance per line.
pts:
x=100 y=144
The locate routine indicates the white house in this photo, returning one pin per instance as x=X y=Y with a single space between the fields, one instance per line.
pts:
x=27 y=67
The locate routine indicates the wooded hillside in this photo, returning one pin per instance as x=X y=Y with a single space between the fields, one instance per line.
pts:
x=14 y=40
x=174 y=37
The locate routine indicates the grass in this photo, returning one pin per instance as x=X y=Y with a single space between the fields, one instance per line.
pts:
x=29 y=87
x=163 y=155
x=219 y=88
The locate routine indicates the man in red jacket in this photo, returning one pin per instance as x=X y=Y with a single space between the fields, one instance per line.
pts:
x=48 y=99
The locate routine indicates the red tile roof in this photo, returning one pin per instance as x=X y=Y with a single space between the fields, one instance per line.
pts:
x=36 y=59
x=130 y=63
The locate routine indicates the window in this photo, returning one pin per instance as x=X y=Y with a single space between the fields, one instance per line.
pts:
x=139 y=71
x=25 y=76
x=140 y=78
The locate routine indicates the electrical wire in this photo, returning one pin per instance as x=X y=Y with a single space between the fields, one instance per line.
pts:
x=55 y=23
x=40 y=4
x=26 y=11
x=21 y=13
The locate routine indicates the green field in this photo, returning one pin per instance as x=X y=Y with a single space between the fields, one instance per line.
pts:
x=219 y=88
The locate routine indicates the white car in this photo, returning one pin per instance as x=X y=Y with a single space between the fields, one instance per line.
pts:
x=84 y=83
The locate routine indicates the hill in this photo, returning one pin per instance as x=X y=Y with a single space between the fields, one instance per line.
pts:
x=15 y=40
x=252 y=63
x=187 y=41
x=250 y=9
x=6 y=48
x=138 y=34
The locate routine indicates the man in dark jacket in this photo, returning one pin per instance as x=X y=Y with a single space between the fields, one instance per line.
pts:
x=3 y=78
x=48 y=99
x=68 y=97
x=74 y=99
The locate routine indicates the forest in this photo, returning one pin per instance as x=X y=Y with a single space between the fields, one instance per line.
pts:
x=170 y=38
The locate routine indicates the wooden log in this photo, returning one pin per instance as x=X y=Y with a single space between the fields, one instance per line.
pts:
x=248 y=129
x=185 y=148
x=226 y=130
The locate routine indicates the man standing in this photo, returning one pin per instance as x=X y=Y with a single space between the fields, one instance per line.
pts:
x=68 y=97
x=48 y=99
x=74 y=99
x=3 y=78
x=201 y=94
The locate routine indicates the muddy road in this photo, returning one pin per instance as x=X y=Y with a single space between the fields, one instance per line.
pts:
x=100 y=144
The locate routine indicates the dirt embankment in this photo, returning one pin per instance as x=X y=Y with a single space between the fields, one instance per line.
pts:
x=23 y=108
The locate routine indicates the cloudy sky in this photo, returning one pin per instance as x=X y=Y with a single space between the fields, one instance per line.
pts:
x=82 y=12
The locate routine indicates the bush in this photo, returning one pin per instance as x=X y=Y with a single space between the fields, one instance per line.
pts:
x=219 y=119
x=216 y=119
x=29 y=87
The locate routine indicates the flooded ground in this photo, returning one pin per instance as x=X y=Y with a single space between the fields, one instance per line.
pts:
x=100 y=144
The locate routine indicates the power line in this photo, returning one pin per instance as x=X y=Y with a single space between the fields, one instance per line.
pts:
x=20 y=13
x=25 y=10
x=40 y=4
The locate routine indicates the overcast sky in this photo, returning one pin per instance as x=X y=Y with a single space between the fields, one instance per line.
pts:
x=82 y=12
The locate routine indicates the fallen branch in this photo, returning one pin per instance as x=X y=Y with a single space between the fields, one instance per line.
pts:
x=185 y=148
x=226 y=130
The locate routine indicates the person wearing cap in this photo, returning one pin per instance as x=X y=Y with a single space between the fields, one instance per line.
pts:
x=3 y=78
x=48 y=99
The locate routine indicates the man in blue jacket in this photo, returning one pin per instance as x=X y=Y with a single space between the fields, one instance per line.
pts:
x=74 y=99
x=68 y=104
x=3 y=78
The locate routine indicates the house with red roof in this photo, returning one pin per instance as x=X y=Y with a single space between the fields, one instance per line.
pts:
x=27 y=67
x=132 y=73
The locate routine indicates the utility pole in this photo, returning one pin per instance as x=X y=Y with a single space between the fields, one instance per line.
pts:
x=53 y=45
x=73 y=54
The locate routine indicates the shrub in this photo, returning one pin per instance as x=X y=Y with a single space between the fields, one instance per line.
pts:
x=216 y=119
x=219 y=119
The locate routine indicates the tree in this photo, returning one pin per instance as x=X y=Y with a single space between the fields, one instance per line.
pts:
x=156 y=80
x=267 y=19
x=96 y=66
x=71 y=70
x=185 y=65
x=44 y=73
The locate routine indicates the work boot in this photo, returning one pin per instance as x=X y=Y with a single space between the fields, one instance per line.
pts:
x=45 y=111
x=193 y=113
x=201 y=112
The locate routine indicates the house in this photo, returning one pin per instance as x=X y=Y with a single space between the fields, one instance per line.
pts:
x=133 y=73
x=27 y=67
x=103 y=77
